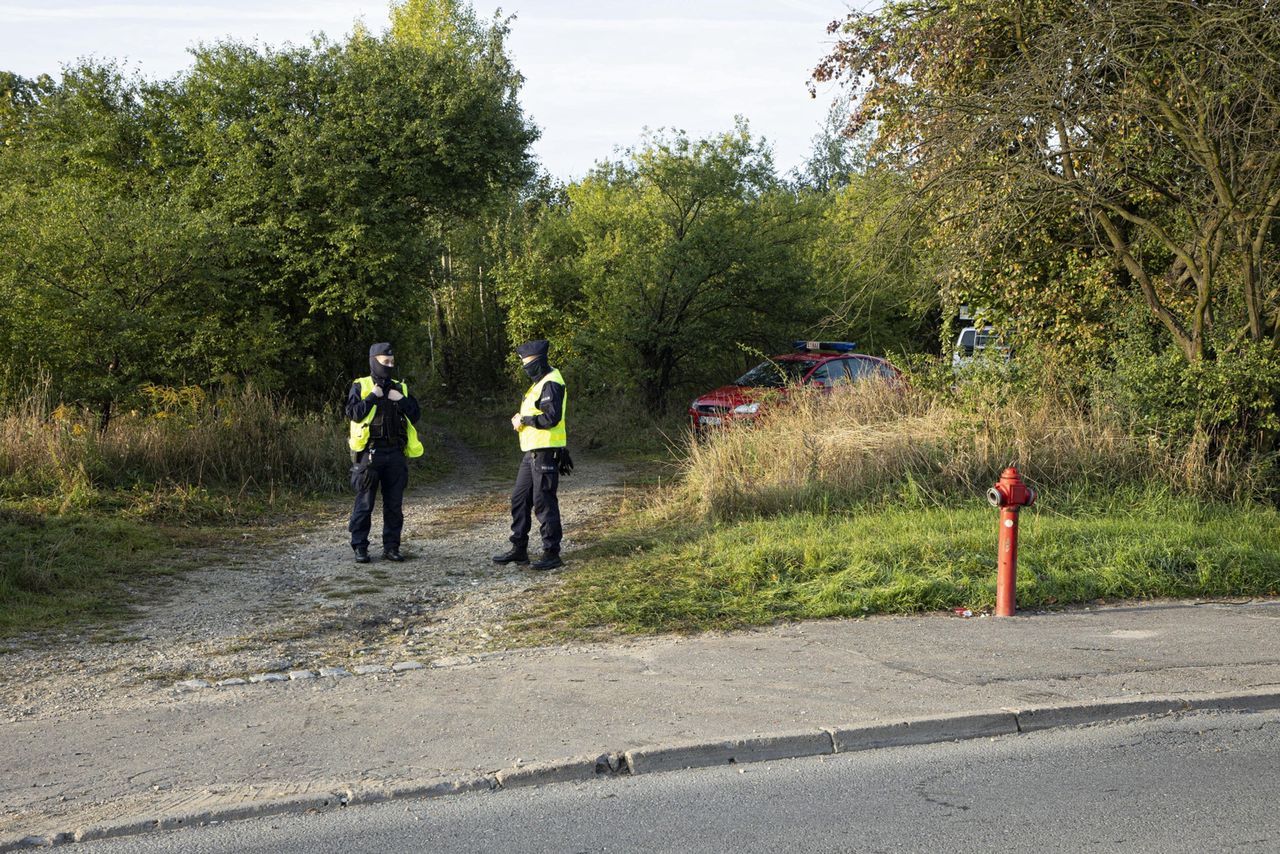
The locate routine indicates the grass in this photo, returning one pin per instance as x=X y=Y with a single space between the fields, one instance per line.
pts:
x=870 y=441
x=620 y=427
x=866 y=501
x=894 y=559
x=479 y=508
x=64 y=571
x=484 y=428
x=95 y=519
x=869 y=501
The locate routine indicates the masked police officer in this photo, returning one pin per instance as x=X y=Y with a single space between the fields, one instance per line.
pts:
x=540 y=424
x=382 y=438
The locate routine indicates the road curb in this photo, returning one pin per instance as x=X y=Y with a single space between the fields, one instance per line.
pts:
x=649 y=759
x=210 y=813
x=1079 y=714
x=1260 y=700
x=700 y=754
x=434 y=787
x=569 y=770
x=956 y=727
x=214 y=811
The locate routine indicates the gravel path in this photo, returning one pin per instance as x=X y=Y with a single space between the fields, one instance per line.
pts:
x=305 y=604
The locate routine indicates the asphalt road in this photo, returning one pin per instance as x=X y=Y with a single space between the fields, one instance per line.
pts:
x=1204 y=782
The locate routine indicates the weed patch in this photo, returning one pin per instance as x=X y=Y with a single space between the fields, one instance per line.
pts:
x=871 y=442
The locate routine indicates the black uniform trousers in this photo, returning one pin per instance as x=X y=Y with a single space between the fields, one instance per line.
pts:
x=535 y=490
x=388 y=472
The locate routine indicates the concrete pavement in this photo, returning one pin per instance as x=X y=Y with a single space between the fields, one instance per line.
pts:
x=512 y=718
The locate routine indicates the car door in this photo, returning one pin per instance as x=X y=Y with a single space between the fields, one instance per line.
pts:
x=862 y=368
x=830 y=374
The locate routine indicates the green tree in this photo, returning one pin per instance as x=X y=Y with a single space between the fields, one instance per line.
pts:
x=338 y=168
x=105 y=258
x=873 y=267
x=264 y=215
x=1155 y=120
x=660 y=264
x=465 y=335
x=836 y=156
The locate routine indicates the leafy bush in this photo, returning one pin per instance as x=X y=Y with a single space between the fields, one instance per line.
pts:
x=1220 y=416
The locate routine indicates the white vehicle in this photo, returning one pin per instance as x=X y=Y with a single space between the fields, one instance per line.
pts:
x=974 y=343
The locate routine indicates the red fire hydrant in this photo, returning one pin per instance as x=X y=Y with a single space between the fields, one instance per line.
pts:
x=1010 y=494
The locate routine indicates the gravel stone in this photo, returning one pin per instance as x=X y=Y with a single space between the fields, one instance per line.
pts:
x=366 y=669
x=402 y=666
x=192 y=684
x=335 y=672
x=302 y=674
x=269 y=677
x=226 y=683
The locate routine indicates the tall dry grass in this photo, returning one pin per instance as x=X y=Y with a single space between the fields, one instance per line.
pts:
x=179 y=440
x=870 y=441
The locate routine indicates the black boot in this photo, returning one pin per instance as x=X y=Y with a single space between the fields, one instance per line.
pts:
x=517 y=554
x=549 y=560
x=392 y=554
x=362 y=554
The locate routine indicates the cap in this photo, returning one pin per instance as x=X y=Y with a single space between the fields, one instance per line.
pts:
x=382 y=348
x=533 y=348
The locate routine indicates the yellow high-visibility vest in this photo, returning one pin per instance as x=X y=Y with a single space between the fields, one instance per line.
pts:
x=532 y=438
x=359 y=433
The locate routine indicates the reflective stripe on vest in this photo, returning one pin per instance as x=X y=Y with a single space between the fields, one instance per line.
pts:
x=358 y=437
x=531 y=438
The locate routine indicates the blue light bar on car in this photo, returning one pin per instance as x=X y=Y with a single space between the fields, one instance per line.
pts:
x=832 y=346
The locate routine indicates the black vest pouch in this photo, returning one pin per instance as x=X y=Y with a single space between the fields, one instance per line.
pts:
x=377 y=427
x=388 y=424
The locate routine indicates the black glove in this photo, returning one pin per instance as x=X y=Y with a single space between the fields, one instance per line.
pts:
x=566 y=462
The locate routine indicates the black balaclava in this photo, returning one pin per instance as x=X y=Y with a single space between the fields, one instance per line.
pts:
x=381 y=373
x=539 y=367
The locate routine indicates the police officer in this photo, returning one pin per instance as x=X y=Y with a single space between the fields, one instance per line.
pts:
x=540 y=425
x=382 y=438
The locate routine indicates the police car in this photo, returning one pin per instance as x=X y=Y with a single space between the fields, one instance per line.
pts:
x=819 y=364
x=975 y=343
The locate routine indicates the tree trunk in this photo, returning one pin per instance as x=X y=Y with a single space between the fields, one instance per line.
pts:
x=653 y=385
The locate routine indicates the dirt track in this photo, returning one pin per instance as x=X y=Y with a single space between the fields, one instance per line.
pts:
x=305 y=604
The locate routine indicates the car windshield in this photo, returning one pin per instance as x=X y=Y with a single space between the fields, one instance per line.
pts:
x=972 y=339
x=774 y=374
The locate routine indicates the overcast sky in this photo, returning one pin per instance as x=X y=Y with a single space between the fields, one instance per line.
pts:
x=597 y=71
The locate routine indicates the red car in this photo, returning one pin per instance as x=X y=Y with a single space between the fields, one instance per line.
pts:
x=823 y=364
